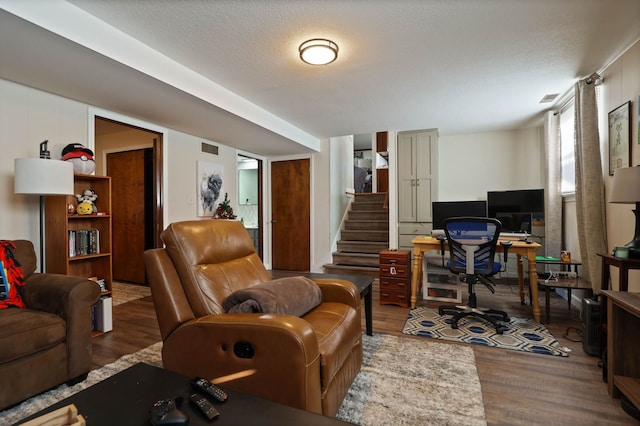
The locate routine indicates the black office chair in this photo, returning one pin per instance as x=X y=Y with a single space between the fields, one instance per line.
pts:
x=472 y=247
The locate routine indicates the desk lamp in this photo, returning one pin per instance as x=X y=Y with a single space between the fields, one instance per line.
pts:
x=43 y=176
x=625 y=189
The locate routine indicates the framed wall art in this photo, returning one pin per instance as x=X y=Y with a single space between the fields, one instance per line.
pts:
x=210 y=179
x=619 y=133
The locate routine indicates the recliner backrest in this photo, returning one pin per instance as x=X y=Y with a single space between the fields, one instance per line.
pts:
x=213 y=258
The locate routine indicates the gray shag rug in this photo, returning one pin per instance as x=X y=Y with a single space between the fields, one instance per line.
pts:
x=403 y=381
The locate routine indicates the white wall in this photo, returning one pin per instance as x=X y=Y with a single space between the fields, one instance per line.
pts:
x=341 y=178
x=472 y=164
x=28 y=117
x=622 y=84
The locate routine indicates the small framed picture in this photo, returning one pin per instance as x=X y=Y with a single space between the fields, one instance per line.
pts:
x=619 y=133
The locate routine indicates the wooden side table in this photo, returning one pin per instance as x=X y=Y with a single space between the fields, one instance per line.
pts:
x=623 y=346
x=395 y=277
x=624 y=265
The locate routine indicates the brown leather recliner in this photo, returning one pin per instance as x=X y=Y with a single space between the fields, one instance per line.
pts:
x=308 y=362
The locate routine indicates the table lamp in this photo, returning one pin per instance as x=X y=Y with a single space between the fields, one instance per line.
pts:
x=625 y=189
x=43 y=176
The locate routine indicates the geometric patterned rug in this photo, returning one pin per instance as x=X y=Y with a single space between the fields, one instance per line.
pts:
x=521 y=334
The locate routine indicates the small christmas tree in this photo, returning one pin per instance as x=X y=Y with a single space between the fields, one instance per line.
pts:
x=224 y=210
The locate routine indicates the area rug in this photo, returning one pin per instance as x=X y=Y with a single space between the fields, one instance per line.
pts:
x=404 y=381
x=522 y=334
x=123 y=293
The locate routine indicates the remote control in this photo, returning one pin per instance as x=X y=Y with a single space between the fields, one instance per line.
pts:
x=209 y=388
x=164 y=412
x=204 y=405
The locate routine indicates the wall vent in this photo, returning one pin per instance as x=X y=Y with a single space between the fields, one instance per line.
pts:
x=209 y=149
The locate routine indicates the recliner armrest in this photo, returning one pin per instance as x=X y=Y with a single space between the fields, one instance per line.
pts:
x=341 y=291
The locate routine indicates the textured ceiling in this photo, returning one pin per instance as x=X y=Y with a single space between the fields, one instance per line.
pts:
x=460 y=66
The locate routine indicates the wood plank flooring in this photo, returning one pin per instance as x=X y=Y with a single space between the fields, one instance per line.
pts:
x=518 y=388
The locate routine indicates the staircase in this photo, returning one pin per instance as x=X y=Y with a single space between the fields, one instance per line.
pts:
x=364 y=235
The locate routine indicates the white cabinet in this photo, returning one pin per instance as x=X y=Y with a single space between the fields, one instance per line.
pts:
x=417 y=175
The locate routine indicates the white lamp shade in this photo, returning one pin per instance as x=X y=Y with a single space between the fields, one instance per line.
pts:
x=625 y=188
x=43 y=176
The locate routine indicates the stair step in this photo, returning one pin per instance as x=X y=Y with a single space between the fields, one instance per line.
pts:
x=351 y=270
x=370 y=196
x=365 y=235
x=362 y=246
x=359 y=206
x=369 y=215
x=356 y=259
x=366 y=225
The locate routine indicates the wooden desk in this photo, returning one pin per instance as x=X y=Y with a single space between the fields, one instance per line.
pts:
x=520 y=248
x=623 y=346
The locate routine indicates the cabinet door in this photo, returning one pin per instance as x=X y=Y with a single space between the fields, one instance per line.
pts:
x=406 y=178
x=425 y=174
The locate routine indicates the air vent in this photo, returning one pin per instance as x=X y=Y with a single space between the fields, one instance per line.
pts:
x=209 y=149
x=548 y=98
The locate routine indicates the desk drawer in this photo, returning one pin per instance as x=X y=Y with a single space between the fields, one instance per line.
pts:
x=394 y=284
x=396 y=270
x=391 y=297
x=395 y=257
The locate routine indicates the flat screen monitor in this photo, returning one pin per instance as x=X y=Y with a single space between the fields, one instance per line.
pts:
x=515 y=222
x=445 y=209
x=517 y=201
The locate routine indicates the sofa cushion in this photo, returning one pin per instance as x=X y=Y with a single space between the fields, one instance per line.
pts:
x=25 y=332
x=338 y=330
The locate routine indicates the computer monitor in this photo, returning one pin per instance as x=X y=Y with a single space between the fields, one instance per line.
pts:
x=515 y=221
x=445 y=209
x=516 y=201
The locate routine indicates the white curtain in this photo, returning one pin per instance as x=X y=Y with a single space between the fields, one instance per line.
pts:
x=590 y=201
x=552 y=194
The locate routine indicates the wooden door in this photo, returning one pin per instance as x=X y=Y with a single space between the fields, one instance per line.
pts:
x=129 y=170
x=291 y=215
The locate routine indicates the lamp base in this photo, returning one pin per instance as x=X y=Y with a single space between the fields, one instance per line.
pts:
x=634 y=249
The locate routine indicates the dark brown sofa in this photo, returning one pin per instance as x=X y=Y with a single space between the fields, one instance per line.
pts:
x=307 y=362
x=49 y=342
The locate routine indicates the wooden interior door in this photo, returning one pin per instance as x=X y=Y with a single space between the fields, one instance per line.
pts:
x=129 y=171
x=291 y=214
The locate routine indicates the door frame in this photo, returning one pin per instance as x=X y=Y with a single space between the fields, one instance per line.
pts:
x=161 y=178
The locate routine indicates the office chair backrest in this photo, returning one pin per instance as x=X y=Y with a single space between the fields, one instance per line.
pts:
x=480 y=232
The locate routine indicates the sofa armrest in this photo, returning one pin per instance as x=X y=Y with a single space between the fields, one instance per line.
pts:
x=341 y=291
x=261 y=354
x=70 y=298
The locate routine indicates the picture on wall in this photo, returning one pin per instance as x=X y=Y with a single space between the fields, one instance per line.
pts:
x=619 y=133
x=210 y=178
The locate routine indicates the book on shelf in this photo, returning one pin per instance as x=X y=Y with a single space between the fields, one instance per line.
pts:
x=83 y=242
x=4 y=282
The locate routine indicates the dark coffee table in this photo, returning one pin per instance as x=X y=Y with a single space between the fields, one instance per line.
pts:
x=126 y=398
x=364 y=285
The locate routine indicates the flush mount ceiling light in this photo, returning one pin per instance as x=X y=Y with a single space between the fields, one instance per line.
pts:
x=318 y=51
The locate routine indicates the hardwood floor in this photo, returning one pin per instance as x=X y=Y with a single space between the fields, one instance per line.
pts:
x=518 y=388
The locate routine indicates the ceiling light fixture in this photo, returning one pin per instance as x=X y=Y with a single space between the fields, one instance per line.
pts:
x=318 y=51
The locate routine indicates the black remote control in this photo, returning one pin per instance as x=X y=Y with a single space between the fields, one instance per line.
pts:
x=209 y=388
x=204 y=405
x=164 y=412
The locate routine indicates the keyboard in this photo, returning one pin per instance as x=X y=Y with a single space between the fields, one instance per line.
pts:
x=519 y=235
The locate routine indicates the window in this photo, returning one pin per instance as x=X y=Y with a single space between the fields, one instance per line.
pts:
x=567 y=144
x=567 y=150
